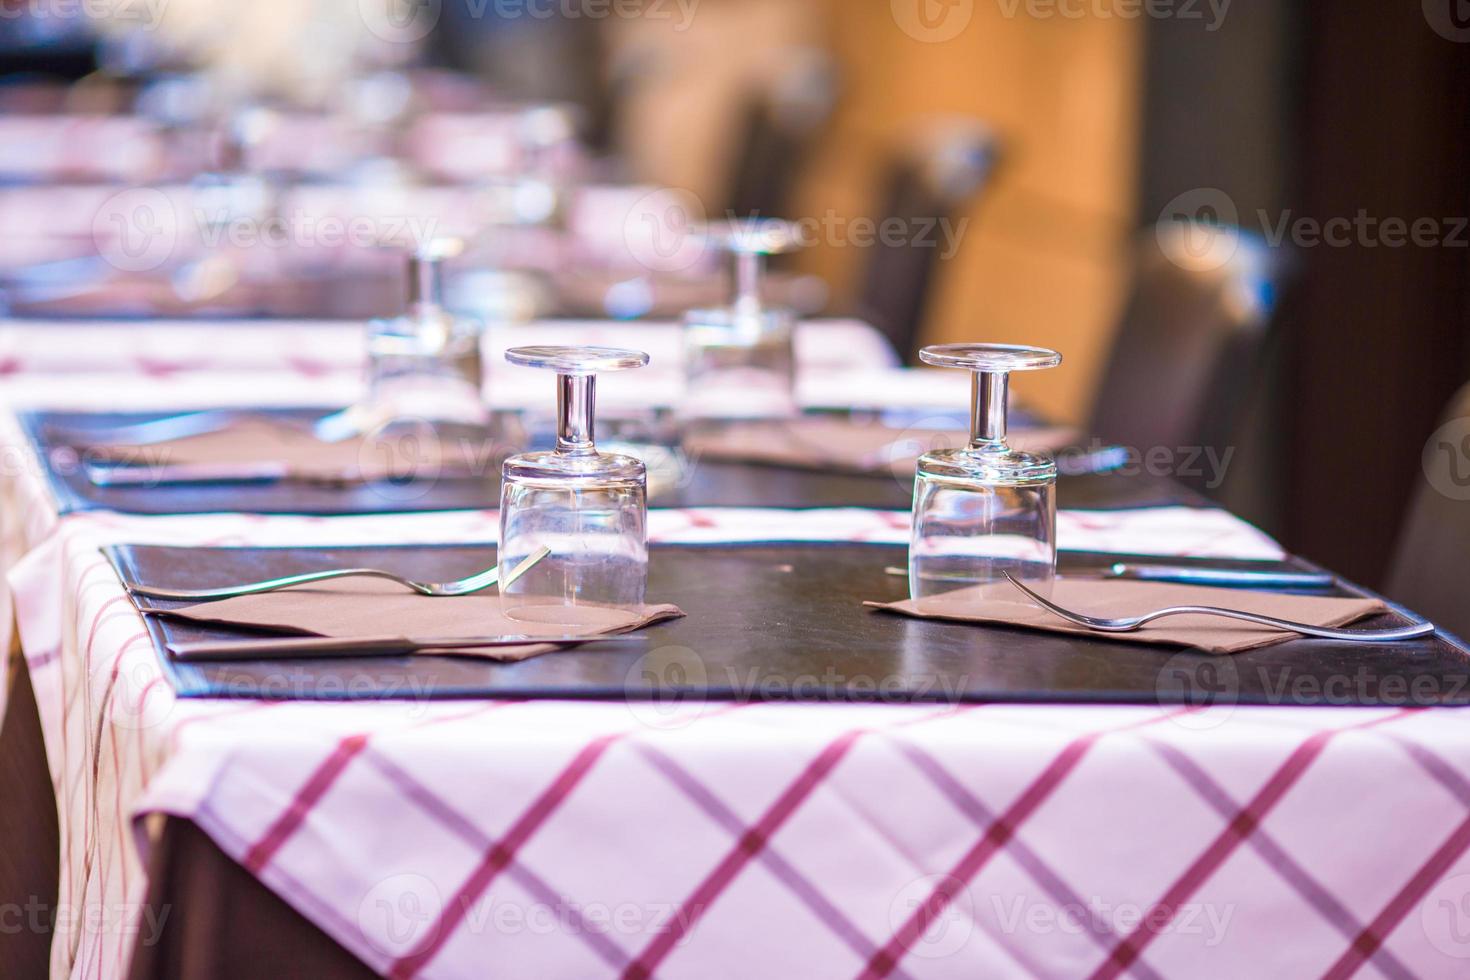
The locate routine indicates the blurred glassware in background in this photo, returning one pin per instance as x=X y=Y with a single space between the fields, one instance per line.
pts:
x=427 y=363
x=588 y=508
x=986 y=509
x=739 y=359
x=303 y=54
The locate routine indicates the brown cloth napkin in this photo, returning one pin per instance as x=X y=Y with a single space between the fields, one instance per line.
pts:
x=1000 y=602
x=845 y=445
x=411 y=450
x=364 y=607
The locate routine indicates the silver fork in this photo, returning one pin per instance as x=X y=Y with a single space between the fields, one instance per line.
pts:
x=1127 y=624
x=466 y=586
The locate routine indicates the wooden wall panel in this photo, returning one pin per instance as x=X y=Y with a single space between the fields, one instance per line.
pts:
x=1041 y=259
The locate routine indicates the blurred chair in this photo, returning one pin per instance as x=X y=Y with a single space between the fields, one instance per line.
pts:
x=1430 y=573
x=780 y=125
x=938 y=180
x=1192 y=335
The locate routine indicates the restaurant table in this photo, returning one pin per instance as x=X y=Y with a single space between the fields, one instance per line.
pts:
x=442 y=839
x=134 y=148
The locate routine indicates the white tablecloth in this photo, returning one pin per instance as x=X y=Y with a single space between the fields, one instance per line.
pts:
x=841 y=362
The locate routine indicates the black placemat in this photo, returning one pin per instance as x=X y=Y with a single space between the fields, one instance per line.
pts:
x=706 y=484
x=786 y=622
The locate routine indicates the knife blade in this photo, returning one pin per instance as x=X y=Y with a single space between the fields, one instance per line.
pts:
x=1222 y=577
x=370 y=646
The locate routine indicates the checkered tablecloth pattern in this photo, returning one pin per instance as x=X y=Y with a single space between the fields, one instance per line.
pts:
x=315 y=348
x=445 y=839
x=691 y=839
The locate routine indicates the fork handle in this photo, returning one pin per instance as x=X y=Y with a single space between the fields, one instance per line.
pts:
x=1408 y=632
x=256 y=588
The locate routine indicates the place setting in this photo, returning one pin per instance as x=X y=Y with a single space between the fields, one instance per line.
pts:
x=575 y=601
x=427 y=434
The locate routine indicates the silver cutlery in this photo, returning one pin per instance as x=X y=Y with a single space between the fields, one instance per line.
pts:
x=1224 y=577
x=175 y=474
x=1102 y=460
x=161 y=429
x=365 y=646
x=478 y=582
x=149 y=475
x=1188 y=575
x=336 y=427
x=1127 y=624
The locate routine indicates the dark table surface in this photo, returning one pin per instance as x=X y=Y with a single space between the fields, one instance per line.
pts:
x=787 y=622
x=707 y=484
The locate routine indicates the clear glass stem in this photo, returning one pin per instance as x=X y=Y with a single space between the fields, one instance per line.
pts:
x=989 y=391
x=576 y=395
x=749 y=267
x=425 y=282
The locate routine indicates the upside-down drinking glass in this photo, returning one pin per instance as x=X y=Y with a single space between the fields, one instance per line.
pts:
x=739 y=359
x=588 y=508
x=426 y=363
x=986 y=509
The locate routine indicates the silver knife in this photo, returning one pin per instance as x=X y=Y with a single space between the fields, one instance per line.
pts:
x=370 y=646
x=1183 y=574
x=187 y=474
x=1224 y=577
x=169 y=474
